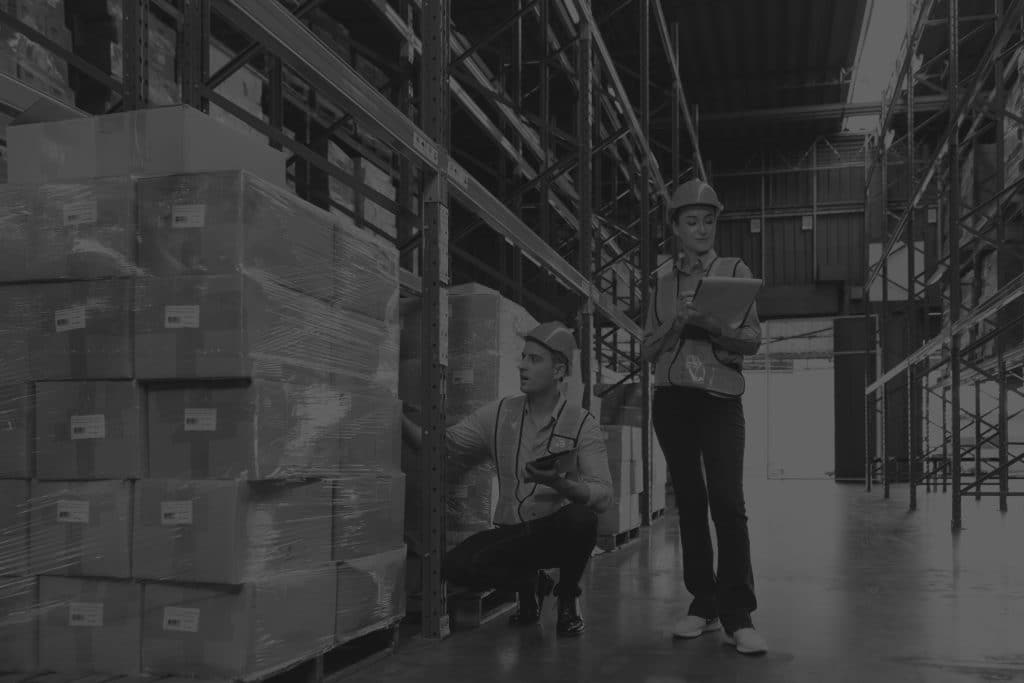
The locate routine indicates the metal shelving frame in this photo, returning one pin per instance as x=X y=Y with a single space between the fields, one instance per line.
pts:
x=612 y=172
x=974 y=105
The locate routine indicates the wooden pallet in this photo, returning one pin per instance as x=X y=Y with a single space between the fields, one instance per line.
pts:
x=473 y=609
x=610 y=542
x=335 y=664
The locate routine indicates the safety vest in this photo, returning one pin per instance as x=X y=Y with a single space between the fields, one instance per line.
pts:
x=519 y=501
x=696 y=362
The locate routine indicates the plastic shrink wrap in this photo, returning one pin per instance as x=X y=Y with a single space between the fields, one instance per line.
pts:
x=199 y=442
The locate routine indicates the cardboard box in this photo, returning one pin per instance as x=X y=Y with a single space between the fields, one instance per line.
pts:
x=148 y=142
x=79 y=330
x=14 y=523
x=88 y=430
x=369 y=515
x=486 y=335
x=619 y=445
x=269 y=430
x=371 y=593
x=220 y=223
x=216 y=633
x=229 y=532
x=366 y=274
x=81 y=528
x=18 y=624
x=244 y=326
x=89 y=625
x=16 y=427
x=76 y=231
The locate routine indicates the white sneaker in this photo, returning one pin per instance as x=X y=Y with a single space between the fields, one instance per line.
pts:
x=747 y=641
x=694 y=627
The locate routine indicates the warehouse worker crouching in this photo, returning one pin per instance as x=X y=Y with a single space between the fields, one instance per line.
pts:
x=545 y=517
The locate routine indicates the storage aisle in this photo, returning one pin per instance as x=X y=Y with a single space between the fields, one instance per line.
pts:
x=851 y=588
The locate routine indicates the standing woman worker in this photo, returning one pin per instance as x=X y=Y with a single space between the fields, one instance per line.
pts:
x=698 y=417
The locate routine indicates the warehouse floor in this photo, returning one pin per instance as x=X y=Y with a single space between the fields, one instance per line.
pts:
x=851 y=588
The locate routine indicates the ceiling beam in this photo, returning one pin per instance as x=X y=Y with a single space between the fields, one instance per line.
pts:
x=818 y=111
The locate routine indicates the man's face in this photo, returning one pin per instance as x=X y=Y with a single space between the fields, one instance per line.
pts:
x=537 y=370
x=695 y=229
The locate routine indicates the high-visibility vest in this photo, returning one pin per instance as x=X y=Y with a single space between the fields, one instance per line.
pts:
x=519 y=501
x=696 y=362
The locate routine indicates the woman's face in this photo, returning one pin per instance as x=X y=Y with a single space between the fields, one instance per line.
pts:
x=695 y=229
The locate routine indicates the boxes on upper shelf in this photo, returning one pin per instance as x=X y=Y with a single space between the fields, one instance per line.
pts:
x=67 y=231
x=146 y=142
x=88 y=430
x=89 y=625
x=223 y=633
x=241 y=326
x=224 y=222
x=229 y=532
x=14 y=523
x=18 y=605
x=81 y=528
x=268 y=430
x=16 y=422
x=369 y=514
x=371 y=593
x=69 y=330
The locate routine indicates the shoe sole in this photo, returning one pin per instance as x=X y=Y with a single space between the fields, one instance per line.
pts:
x=697 y=634
x=731 y=642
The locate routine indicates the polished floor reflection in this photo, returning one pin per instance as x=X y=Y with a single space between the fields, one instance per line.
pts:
x=851 y=588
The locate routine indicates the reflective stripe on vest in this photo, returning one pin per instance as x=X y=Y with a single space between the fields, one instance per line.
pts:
x=698 y=363
x=532 y=500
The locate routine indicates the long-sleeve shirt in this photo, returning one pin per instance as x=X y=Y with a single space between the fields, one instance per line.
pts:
x=744 y=340
x=472 y=441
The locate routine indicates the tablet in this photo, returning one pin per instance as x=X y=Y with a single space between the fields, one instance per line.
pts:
x=564 y=463
x=729 y=298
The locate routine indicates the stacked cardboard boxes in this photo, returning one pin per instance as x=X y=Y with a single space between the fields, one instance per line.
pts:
x=28 y=61
x=214 y=438
x=621 y=406
x=623 y=445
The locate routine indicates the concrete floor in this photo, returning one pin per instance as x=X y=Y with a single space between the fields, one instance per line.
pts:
x=851 y=588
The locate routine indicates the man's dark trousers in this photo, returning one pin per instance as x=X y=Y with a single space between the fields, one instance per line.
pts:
x=508 y=557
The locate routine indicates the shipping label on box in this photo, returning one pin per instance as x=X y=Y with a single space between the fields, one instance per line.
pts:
x=14 y=525
x=220 y=223
x=228 y=532
x=369 y=514
x=81 y=528
x=81 y=330
x=268 y=430
x=18 y=605
x=222 y=633
x=88 y=430
x=89 y=625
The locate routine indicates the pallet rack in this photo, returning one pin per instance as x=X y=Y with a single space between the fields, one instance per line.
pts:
x=969 y=59
x=593 y=233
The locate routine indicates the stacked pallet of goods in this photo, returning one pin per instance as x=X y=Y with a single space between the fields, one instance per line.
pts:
x=202 y=465
x=28 y=61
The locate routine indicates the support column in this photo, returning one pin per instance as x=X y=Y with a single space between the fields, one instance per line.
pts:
x=953 y=159
x=910 y=326
x=435 y=113
x=195 y=52
x=1001 y=263
x=645 y=254
x=883 y=326
x=136 y=53
x=585 y=129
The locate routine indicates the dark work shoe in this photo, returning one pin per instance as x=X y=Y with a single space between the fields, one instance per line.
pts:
x=531 y=601
x=570 y=621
